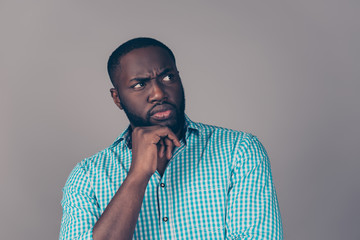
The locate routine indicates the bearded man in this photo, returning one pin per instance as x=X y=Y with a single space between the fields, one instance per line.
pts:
x=165 y=176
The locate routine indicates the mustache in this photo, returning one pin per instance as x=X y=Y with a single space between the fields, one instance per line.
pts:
x=152 y=111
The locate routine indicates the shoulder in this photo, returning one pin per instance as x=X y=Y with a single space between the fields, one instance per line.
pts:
x=241 y=144
x=103 y=159
x=237 y=137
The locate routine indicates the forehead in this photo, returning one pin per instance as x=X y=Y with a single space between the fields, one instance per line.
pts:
x=144 y=61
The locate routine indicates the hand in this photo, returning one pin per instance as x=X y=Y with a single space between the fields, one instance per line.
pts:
x=149 y=145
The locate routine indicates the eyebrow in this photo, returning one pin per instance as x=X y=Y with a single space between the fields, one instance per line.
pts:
x=140 y=79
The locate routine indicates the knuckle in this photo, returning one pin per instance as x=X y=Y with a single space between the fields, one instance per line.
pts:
x=136 y=130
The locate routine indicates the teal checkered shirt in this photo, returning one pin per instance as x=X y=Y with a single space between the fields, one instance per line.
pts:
x=217 y=185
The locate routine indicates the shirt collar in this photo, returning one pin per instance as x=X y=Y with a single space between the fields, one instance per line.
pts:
x=190 y=127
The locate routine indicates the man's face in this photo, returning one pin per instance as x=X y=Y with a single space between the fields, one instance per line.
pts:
x=149 y=89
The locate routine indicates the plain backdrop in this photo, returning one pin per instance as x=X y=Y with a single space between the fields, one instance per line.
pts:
x=286 y=71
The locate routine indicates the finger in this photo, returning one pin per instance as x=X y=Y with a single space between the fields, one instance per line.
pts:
x=166 y=132
x=169 y=147
x=162 y=148
x=174 y=139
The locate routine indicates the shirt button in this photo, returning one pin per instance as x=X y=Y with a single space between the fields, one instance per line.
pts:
x=162 y=185
x=165 y=219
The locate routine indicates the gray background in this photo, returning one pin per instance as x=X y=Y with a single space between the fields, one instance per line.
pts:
x=286 y=71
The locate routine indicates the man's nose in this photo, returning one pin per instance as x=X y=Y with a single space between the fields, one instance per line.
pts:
x=157 y=93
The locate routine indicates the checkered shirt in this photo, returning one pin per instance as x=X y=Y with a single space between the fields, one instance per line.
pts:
x=217 y=185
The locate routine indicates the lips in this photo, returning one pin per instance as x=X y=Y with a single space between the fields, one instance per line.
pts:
x=162 y=112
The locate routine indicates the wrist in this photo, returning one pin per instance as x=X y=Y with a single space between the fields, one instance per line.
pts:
x=138 y=178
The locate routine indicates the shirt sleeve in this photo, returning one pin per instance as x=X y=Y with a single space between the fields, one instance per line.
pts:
x=80 y=208
x=253 y=211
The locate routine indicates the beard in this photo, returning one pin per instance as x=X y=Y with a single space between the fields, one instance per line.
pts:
x=174 y=124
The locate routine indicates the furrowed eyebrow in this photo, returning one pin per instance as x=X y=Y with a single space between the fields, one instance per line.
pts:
x=140 y=79
x=164 y=72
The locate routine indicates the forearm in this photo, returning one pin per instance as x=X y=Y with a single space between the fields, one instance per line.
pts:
x=119 y=218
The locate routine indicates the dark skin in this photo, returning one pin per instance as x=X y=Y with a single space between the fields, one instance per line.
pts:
x=150 y=91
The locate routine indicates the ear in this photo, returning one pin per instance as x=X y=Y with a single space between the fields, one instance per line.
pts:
x=115 y=97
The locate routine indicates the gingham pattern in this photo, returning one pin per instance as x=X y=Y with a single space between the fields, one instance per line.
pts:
x=218 y=185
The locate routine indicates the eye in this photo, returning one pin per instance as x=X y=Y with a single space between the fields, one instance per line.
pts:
x=168 y=78
x=139 y=85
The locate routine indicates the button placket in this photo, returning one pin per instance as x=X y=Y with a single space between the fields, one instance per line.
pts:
x=164 y=205
x=163 y=199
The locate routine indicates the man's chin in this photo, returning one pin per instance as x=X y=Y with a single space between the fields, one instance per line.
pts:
x=170 y=123
x=173 y=123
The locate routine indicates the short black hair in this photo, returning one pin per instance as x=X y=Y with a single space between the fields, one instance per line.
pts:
x=135 y=43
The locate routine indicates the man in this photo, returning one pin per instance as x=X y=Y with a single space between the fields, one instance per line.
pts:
x=167 y=177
